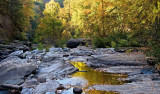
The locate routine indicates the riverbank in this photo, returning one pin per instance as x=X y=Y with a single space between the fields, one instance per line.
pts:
x=41 y=72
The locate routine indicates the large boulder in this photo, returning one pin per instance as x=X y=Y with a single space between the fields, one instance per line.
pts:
x=73 y=43
x=13 y=70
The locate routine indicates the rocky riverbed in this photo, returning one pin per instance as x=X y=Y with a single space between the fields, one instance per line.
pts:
x=44 y=72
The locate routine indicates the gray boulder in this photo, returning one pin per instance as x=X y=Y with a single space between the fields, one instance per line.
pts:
x=13 y=70
x=50 y=86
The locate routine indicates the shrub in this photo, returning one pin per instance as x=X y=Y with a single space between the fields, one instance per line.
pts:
x=40 y=46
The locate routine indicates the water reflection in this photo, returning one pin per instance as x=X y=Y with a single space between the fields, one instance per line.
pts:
x=99 y=92
x=97 y=77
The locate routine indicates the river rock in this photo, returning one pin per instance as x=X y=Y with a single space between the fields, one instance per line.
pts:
x=50 y=56
x=50 y=86
x=73 y=43
x=149 y=87
x=77 y=90
x=118 y=59
x=53 y=49
x=41 y=79
x=50 y=93
x=149 y=70
x=27 y=91
x=56 y=67
x=16 y=53
x=14 y=69
x=32 y=82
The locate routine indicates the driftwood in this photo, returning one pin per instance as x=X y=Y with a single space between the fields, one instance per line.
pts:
x=9 y=86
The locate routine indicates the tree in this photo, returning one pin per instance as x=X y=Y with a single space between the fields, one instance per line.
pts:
x=50 y=27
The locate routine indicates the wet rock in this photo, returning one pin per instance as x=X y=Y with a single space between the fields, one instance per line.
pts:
x=77 y=90
x=149 y=70
x=41 y=79
x=50 y=86
x=15 y=68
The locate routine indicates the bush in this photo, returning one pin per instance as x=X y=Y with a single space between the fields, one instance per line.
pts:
x=99 y=42
x=40 y=46
x=116 y=39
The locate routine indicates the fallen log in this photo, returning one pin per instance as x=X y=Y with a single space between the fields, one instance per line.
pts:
x=10 y=86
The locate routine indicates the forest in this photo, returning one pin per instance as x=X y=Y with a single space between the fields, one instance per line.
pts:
x=108 y=23
x=79 y=46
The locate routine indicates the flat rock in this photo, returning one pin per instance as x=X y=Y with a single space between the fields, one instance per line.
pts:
x=13 y=70
x=74 y=81
x=50 y=56
x=50 y=86
x=118 y=59
x=57 y=67
x=150 y=87
x=122 y=69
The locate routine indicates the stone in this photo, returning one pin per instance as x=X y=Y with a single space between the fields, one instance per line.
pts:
x=58 y=67
x=73 y=43
x=148 y=87
x=27 y=91
x=50 y=86
x=73 y=81
x=50 y=93
x=16 y=53
x=118 y=59
x=13 y=69
x=32 y=82
x=77 y=90
x=149 y=70
x=53 y=49
x=82 y=53
x=41 y=79
x=51 y=56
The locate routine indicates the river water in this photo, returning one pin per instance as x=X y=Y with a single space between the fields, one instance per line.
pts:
x=87 y=76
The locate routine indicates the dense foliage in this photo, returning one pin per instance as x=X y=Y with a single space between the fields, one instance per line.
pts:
x=20 y=12
x=109 y=23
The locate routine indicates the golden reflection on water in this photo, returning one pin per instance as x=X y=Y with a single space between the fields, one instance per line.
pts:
x=97 y=77
x=100 y=92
